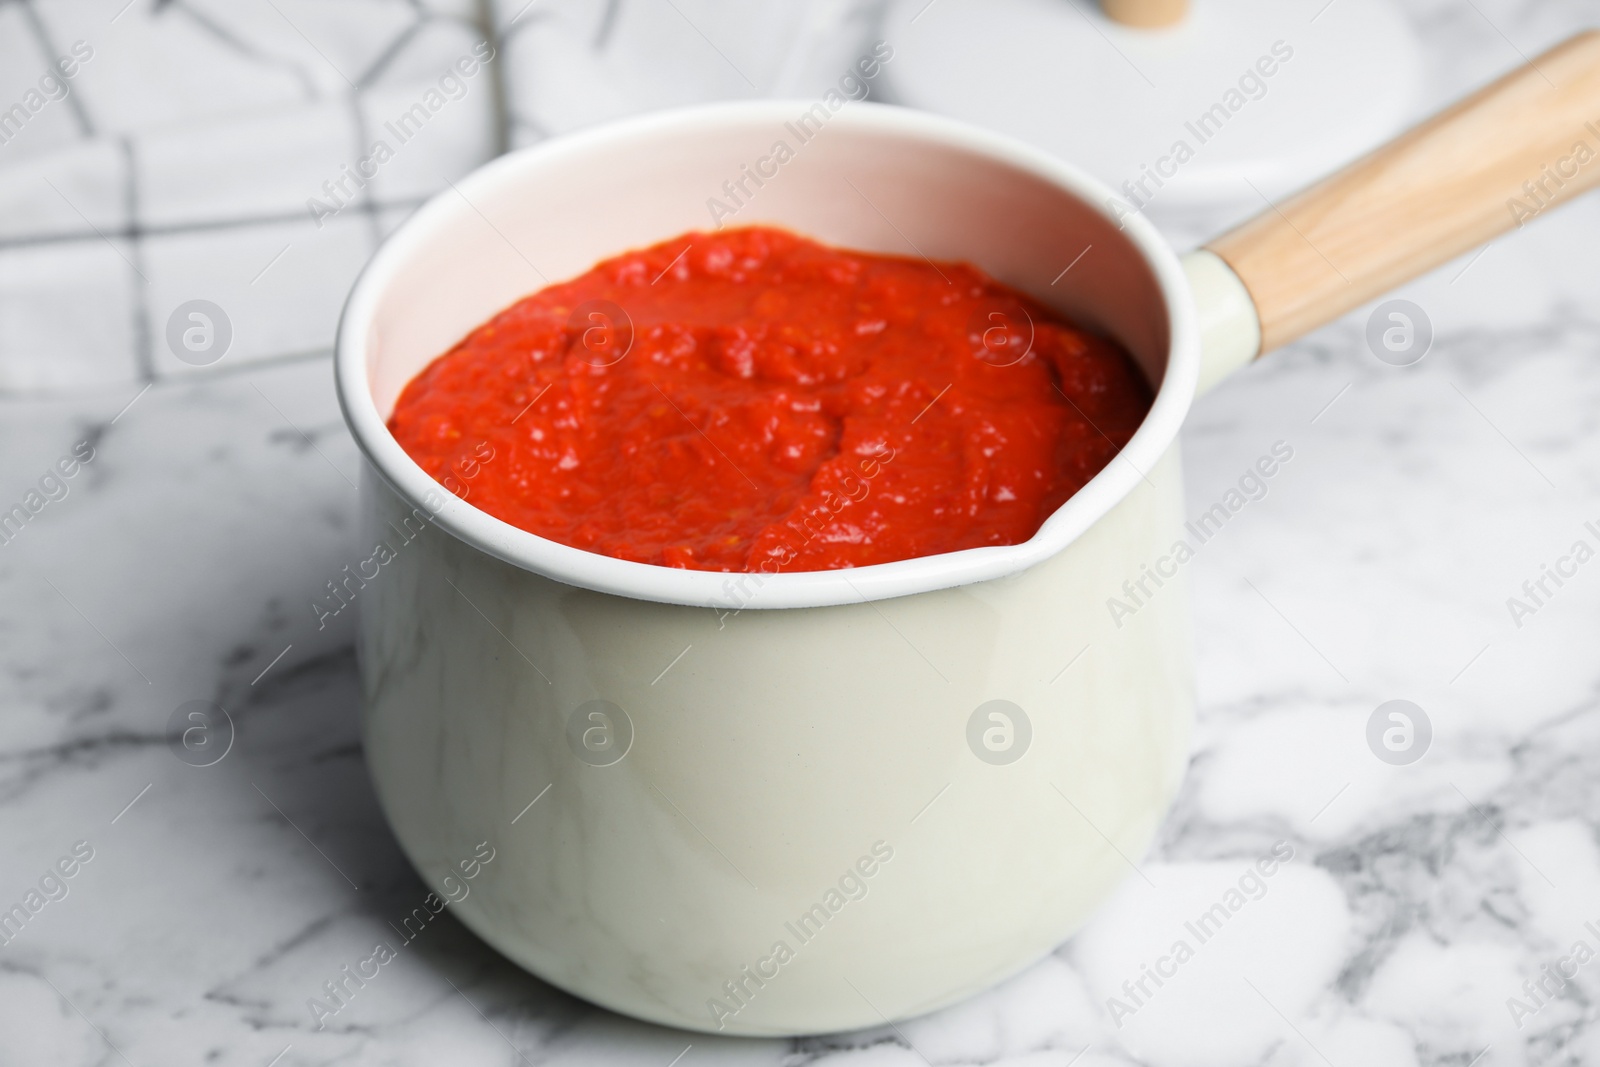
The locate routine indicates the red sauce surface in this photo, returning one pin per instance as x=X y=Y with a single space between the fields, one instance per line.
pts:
x=753 y=400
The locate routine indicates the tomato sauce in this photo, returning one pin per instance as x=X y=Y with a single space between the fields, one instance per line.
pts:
x=753 y=400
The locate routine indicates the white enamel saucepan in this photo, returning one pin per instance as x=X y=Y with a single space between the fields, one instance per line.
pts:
x=788 y=805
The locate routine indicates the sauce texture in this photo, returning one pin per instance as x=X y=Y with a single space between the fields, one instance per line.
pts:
x=750 y=400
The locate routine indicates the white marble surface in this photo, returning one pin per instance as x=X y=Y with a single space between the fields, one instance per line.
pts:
x=180 y=563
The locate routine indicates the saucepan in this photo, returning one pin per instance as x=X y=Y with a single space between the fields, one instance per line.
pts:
x=790 y=803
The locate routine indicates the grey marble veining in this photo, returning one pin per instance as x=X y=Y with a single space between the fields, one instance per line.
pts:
x=179 y=566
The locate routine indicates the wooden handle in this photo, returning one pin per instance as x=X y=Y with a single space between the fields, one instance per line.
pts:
x=1494 y=161
x=1145 y=14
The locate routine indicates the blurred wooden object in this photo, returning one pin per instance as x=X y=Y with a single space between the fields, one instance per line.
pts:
x=1494 y=161
x=1145 y=14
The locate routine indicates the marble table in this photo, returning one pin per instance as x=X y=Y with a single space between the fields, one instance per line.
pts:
x=186 y=914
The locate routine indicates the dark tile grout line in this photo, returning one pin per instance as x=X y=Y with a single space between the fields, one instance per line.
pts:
x=368 y=206
x=279 y=359
x=134 y=231
x=145 y=368
x=143 y=357
x=248 y=50
x=608 y=23
x=374 y=71
x=41 y=34
x=358 y=120
x=161 y=380
x=499 y=110
x=533 y=126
